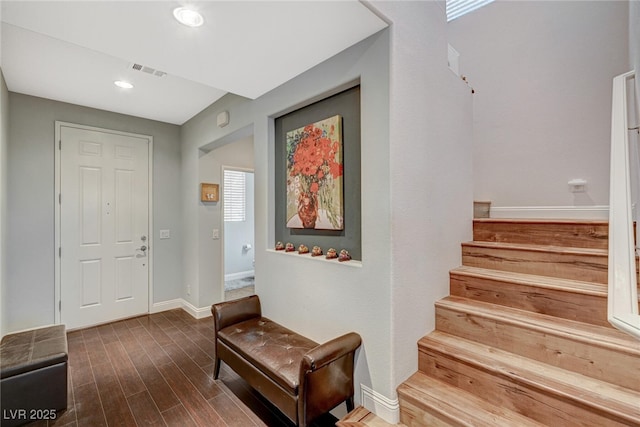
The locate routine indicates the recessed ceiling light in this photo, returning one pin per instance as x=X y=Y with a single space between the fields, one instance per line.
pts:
x=123 y=84
x=188 y=17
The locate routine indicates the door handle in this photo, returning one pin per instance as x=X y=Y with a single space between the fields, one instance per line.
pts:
x=143 y=248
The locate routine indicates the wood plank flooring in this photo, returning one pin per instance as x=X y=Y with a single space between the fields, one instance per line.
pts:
x=156 y=370
x=239 y=293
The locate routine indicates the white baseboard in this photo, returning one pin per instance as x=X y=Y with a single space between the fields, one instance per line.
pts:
x=382 y=406
x=157 y=307
x=600 y=212
x=240 y=275
x=198 y=313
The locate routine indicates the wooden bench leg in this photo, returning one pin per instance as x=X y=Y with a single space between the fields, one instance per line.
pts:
x=216 y=367
x=350 y=405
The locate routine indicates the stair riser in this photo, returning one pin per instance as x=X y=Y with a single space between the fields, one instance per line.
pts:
x=575 y=266
x=538 y=404
x=586 y=308
x=577 y=235
x=578 y=356
x=415 y=416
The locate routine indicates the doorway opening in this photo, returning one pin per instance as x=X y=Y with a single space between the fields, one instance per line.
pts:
x=239 y=241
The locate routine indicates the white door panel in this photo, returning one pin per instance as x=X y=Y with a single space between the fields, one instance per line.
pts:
x=104 y=224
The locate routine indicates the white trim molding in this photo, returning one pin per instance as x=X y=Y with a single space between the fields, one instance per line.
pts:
x=382 y=406
x=240 y=275
x=551 y=212
x=622 y=310
x=195 y=312
x=158 y=307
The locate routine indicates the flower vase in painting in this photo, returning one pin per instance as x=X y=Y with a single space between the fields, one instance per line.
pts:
x=308 y=209
x=314 y=176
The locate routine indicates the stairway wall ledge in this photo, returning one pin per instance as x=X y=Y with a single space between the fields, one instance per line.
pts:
x=551 y=212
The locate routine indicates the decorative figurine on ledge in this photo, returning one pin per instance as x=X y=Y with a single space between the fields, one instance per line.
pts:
x=344 y=256
x=279 y=246
x=289 y=247
x=316 y=251
x=302 y=249
x=331 y=254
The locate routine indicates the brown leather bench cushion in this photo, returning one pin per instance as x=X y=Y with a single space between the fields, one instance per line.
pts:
x=27 y=351
x=274 y=349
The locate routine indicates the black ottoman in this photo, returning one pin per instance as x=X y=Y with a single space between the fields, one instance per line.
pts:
x=33 y=375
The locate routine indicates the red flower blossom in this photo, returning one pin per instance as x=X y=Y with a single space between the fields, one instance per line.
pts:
x=312 y=153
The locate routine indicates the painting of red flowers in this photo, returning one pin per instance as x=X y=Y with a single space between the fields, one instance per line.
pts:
x=314 y=176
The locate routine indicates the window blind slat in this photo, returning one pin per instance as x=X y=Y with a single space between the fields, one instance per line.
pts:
x=457 y=8
x=234 y=196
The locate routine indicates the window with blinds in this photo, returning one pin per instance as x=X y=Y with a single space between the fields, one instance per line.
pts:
x=457 y=8
x=234 y=195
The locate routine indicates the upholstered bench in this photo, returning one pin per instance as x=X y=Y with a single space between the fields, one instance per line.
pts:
x=300 y=377
x=33 y=375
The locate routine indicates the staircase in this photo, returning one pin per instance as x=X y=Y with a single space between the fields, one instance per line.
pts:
x=523 y=339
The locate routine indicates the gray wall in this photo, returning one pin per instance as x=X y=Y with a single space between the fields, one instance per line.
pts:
x=634 y=50
x=237 y=152
x=416 y=123
x=315 y=297
x=4 y=142
x=431 y=173
x=542 y=71
x=29 y=286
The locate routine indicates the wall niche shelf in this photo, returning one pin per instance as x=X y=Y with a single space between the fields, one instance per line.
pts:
x=295 y=254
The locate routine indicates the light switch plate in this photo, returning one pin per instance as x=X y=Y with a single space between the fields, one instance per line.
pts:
x=165 y=234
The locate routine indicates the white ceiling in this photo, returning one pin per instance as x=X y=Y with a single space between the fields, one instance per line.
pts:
x=73 y=51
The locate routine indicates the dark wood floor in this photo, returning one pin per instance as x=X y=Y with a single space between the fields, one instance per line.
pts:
x=156 y=370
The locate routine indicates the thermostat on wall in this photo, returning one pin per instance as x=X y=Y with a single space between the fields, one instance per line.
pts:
x=223 y=119
x=577 y=185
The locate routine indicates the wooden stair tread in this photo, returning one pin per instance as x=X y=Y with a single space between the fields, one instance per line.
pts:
x=549 y=282
x=578 y=331
x=525 y=334
x=541 y=221
x=458 y=406
x=355 y=416
x=567 y=250
x=607 y=398
x=362 y=417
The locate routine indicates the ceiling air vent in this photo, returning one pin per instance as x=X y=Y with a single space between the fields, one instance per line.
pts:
x=148 y=70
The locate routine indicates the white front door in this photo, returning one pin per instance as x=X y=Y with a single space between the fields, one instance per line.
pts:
x=104 y=226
